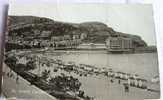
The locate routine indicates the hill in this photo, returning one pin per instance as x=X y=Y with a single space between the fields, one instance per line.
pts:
x=97 y=32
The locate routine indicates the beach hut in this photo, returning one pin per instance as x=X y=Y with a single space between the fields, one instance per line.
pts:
x=131 y=81
x=138 y=82
x=135 y=82
x=111 y=73
x=88 y=68
x=121 y=75
x=155 y=79
x=142 y=83
x=69 y=66
x=127 y=76
x=81 y=66
x=117 y=75
x=128 y=81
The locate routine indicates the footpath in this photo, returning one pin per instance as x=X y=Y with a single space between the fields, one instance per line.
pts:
x=17 y=88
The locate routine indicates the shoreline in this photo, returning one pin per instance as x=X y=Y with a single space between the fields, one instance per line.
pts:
x=139 y=50
x=52 y=50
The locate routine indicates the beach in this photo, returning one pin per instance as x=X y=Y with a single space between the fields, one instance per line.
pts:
x=100 y=86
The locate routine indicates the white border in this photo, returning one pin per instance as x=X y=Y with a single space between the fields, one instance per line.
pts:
x=158 y=17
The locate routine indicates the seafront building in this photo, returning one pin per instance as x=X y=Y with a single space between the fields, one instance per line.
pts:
x=119 y=44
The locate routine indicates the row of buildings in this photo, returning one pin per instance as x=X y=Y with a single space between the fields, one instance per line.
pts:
x=44 y=40
x=112 y=44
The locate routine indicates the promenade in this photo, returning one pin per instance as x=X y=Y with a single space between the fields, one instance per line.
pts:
x=21 y=89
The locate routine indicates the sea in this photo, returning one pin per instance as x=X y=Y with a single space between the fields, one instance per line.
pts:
x=143 y=64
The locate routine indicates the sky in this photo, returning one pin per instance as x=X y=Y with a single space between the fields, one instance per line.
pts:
x=134 y=19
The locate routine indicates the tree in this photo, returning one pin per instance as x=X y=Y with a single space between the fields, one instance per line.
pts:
x=11 y=61
x=30 y=65
x=20 y=68
x=66 y=83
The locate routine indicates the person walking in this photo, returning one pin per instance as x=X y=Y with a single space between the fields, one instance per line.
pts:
x=126 y=87
x=17 y=79
x=119 y=81
x=111 y=80
x=8 y=74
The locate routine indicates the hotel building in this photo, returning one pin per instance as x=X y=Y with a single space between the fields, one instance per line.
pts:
x=119 y=44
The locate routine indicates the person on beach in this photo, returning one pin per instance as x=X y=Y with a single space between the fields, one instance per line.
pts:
x=111 y=80
x=119 y=81
x=8 y=74
x=17 y=79
x=11 y=75
x=126 y=87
